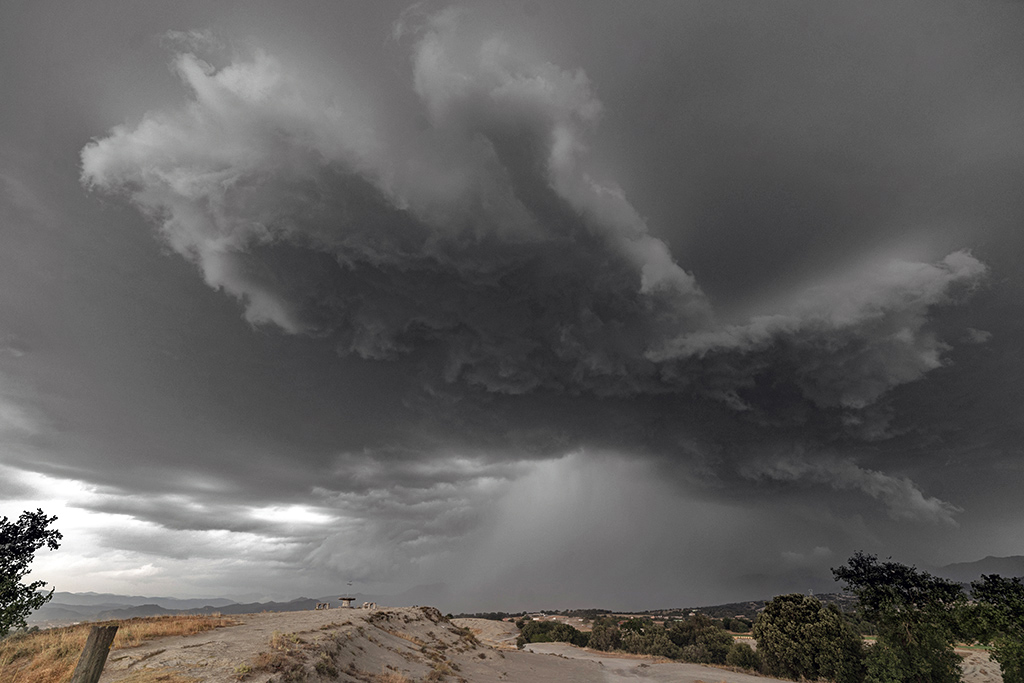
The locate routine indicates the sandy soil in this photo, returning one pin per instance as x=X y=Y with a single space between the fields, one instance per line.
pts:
x=498 y=634
x=414 y=642
x=978 y=667
x=657 y=671
x=360 y=645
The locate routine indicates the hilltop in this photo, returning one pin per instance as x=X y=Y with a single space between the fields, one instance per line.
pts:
x=390 y=645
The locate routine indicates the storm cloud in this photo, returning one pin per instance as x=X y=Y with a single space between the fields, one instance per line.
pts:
x=483 y=243
x=533 y=299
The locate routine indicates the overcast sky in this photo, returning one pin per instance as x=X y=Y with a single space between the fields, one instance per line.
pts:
x=559 y=304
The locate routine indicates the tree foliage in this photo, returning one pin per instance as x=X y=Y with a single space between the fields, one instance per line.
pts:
x=701 y=640
x=918 y=616
x=743 y=656
x=737 y=624
x=605 y=636
x=800 y=637
x=1001 y=603
x=19 y=542
x=550 y=632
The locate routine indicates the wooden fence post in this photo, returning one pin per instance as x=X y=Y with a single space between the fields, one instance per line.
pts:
x=94 y=656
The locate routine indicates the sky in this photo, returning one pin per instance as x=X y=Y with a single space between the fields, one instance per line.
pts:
x=535 y=305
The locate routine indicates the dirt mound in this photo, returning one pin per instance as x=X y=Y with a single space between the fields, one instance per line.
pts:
x=498 y=634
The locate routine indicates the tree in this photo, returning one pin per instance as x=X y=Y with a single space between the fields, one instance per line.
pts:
x=799 y=637
x=743 y=656
x=1002 y=604
x=550 y=632
x=605 y=636
x=638 y=625
x=19 y=542
x=918 y=618
x=700 y=640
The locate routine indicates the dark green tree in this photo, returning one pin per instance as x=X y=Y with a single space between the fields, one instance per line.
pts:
x=1001 y=603
x=918 y=618
x=700 y=640
x=743 y=656
x=653 y=640
x=550 y=632
x=19 y=542
x=605 y=637
x=736 y=624
x=640 y=625
x=799 y=637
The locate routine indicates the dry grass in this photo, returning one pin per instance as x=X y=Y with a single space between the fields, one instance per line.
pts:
x=134 y=632
x=50 y=656
x=288 y=657
x=391 y=677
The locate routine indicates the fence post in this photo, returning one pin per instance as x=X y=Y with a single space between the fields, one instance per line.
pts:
x=94 y=656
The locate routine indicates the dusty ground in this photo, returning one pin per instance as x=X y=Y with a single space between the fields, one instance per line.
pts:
x=363 y=645
x=615 y=669
x=412 y=642
x=978 y=667
x=498 y=634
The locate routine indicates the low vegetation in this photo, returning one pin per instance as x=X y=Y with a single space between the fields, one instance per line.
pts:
x=50 y=656
x=916 y=620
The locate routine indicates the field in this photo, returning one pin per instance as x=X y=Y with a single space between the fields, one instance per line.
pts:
x=50 y=656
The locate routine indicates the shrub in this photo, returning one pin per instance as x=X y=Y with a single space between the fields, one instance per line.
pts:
x=700 y=640
x=743 y=656
x=799 y=637
x=605 y=638
x=550 y=632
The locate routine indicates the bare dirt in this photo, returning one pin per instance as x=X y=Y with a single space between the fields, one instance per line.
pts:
x=407 y=644
x=978 y=667
x=382 y=645
x=498 y=634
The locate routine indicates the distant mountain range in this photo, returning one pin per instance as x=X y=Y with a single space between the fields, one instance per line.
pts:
x=965 y=572
x=68 y=608
x=100 y=599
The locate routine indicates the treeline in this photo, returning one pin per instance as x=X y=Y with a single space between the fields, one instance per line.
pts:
x=589 y=614
x=917 y=619
x=749 y=609
x=698 y=639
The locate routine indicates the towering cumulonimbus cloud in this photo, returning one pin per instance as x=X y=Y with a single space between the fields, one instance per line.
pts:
x=483 y=242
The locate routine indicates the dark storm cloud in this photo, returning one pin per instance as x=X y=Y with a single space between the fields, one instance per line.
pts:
x=708 y=294
x=479 y=238
x=483 y=245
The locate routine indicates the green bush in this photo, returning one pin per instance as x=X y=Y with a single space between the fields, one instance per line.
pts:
x=653 y=641
x=743 y=656
x=799 y=637
x=550 y=632
x=605 y=637
x=700 y=640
